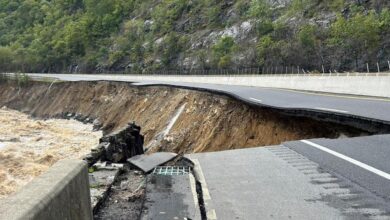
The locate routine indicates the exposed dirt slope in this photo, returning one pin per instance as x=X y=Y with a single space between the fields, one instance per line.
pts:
x=207 y=123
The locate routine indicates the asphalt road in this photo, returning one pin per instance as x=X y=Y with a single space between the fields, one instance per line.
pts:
x=363 y=160
x=364 y=107
x=170 y=197
x=278 y=183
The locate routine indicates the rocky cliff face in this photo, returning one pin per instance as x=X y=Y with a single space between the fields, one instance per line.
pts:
x=285 y=21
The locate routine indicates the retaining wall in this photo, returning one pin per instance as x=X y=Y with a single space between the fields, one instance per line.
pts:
x=60 y=193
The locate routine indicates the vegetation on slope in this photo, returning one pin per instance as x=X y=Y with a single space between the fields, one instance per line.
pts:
x=101 y=35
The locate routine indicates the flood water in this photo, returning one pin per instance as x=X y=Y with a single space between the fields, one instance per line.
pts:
x=28 y=147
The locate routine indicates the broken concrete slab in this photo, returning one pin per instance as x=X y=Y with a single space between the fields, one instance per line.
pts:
x=148 y=162
x=104 y=165
x=100 y=182
x=119 y=146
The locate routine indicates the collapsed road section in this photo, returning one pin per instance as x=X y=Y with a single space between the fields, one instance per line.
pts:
x=207 y=122
x=125 y=184
x=157 y=186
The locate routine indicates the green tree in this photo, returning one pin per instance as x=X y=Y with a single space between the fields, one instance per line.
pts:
x=265 y=49
x=358 y=37
x=6 y=57
x=222 y=51
x=166 y=13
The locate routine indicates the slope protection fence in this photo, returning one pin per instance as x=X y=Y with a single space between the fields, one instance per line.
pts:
x=378 y=68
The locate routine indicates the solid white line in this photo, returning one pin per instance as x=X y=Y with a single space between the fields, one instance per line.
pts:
x=257 y=100
x=211 y=214
x=351 y=160
x=202 y=180
x=331 y=109
x=193 y=190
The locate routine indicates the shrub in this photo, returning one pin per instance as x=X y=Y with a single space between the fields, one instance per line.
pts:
x=3 y=78
x=22 y=79
x=259 y=9
x=222 y=51
x=359 y=35
x=306 y=36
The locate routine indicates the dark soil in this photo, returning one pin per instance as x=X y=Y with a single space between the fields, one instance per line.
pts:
x=125 y=199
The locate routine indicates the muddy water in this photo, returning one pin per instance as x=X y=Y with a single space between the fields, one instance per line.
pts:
x=28 y=147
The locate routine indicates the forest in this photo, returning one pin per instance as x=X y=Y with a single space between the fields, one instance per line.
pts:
x=138 y=35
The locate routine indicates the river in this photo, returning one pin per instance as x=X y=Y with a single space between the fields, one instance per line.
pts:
x=28 y=147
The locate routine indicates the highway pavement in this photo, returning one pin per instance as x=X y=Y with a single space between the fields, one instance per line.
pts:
x=170 y=197
x=359 y=107
x=279 y=183
x=363 y=160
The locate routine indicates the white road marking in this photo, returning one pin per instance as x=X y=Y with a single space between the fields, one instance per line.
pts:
x=331 y=109
x=193 y=190
x=202 y=180
x=257 y=100
x=351 y=160
x=211 y=215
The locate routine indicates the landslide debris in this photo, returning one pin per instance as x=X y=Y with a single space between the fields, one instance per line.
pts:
x=207 y=122
x=119 y=146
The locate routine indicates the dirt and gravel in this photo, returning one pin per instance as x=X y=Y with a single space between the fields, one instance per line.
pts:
x=28 y=147
x=208 y=122
x=125 y=199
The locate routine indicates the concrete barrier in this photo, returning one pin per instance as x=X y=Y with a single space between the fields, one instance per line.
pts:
x=355 y=85
x=345 y=83
x=60 y=193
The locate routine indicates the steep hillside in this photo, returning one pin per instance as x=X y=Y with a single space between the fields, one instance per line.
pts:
x=102 y=35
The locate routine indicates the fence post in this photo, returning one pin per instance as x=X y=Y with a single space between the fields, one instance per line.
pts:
x=388 y=62
x=368 y=69
x=377 y=65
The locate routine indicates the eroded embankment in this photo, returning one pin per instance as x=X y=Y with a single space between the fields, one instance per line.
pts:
x=207 y=122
